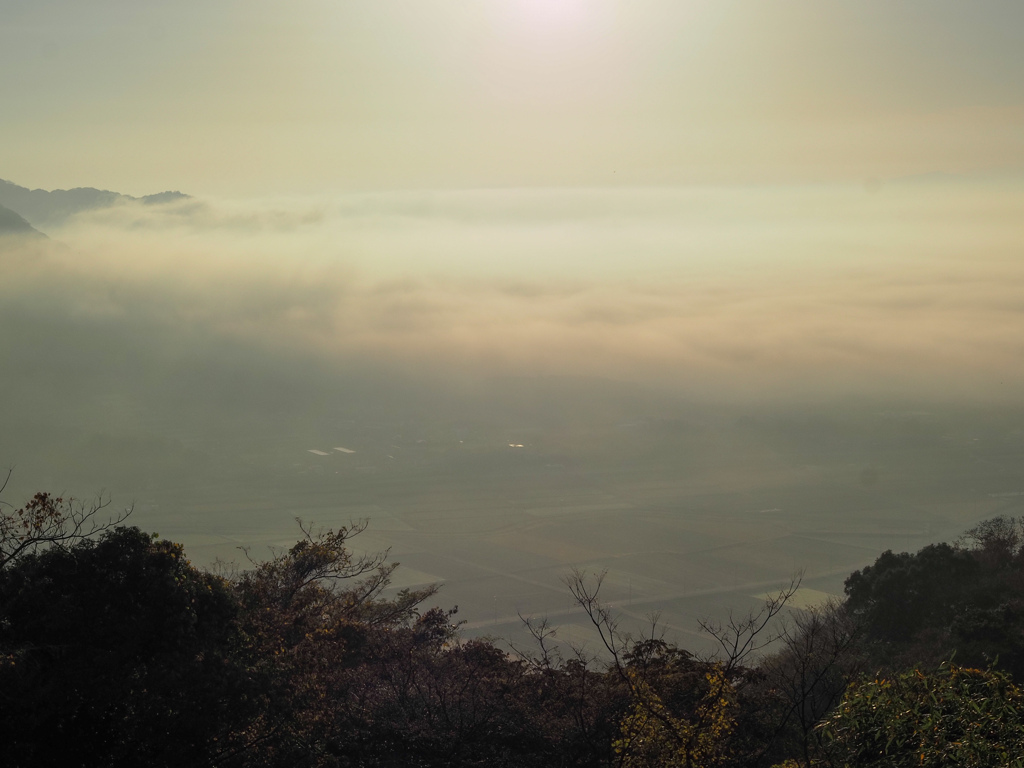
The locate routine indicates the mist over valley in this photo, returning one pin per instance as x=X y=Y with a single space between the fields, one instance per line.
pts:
x=592 y=399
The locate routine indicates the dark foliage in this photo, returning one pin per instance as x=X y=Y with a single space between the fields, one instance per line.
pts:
x=113 y=648
x=115 y=651
x=965 y=599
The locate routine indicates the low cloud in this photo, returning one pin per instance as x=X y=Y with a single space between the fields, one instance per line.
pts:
x=908 y=295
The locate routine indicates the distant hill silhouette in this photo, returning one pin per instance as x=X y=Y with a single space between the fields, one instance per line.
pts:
x=13 y=224
x=163 y=197
x=42 y=208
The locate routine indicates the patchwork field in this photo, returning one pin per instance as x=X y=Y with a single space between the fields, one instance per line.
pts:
x=689 y=515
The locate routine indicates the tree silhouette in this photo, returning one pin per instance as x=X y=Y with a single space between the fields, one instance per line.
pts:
x=50 y=521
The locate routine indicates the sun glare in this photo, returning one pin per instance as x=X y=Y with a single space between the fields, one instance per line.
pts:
x=545 y=15
x=554 y=12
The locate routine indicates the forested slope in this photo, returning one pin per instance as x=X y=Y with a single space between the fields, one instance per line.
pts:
x=115 y=650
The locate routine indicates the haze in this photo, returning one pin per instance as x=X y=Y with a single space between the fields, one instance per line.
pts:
x=701 y=293
x=260 y=98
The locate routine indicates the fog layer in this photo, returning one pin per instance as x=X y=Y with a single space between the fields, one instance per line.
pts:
x=911 y=289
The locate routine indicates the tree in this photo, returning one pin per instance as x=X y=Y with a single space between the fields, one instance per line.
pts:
x=682 y=710
x=116 y=647
x=996 y=541
x=806 y=678
x=651 y=736
x=966 y=599
x=312 y=617
x=954 y=717
x=50 y=521
x=903 y=594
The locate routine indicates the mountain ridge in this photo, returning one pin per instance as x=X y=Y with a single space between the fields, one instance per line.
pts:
x=13 y=224
x=42 y=208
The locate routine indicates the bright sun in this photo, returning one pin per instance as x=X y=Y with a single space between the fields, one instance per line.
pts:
x=553 y=13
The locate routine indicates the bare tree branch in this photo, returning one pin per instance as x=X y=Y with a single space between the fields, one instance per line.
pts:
x=741 y=638
x=542 y=633
x=51 y=521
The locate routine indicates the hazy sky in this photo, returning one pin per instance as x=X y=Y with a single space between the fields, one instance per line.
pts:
x=720 y=197
x=256 y=97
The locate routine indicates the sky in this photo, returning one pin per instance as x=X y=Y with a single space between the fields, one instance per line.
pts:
x=732 y=199
x=254 y=98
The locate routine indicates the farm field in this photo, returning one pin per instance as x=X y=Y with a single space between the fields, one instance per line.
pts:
x=687 y=525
